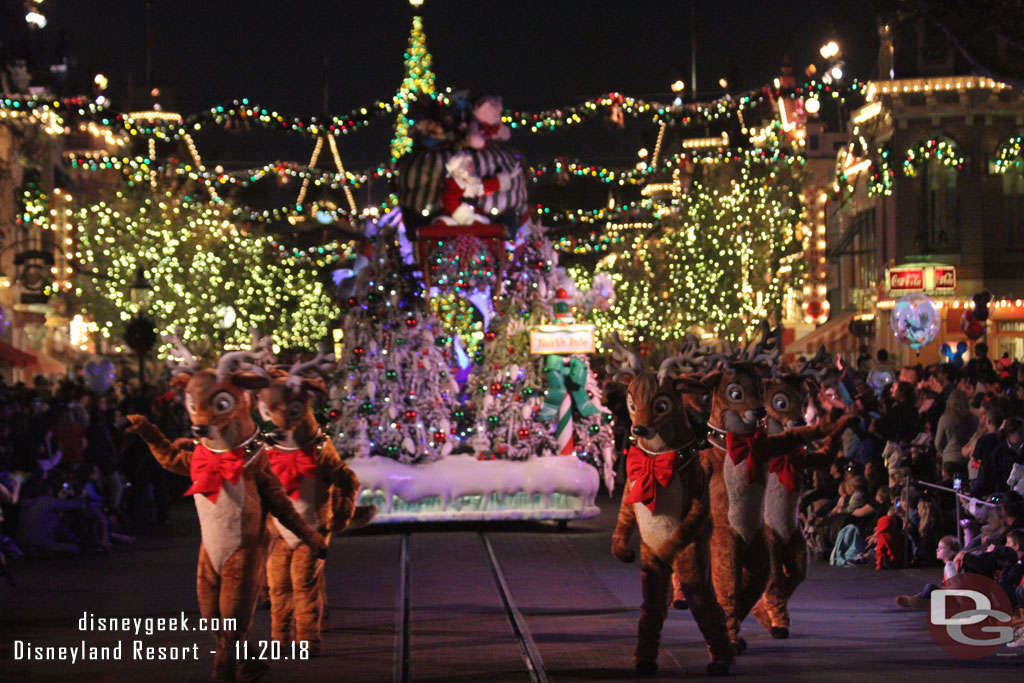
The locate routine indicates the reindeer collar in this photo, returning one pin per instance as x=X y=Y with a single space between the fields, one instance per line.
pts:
x=251 y=446
x=317 y=439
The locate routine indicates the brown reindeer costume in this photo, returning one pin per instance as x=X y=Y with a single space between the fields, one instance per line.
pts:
x=666 y=498
x=736 y=465
x=323 y=492
x=786 y=396
x=234 y=490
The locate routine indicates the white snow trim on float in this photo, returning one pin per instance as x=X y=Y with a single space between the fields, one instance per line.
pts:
x=461 y=487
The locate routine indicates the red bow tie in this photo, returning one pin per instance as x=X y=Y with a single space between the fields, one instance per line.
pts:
x=292 y=466
x=785 y=467
x=209 y=470
x=740 y=448
x=644 y=470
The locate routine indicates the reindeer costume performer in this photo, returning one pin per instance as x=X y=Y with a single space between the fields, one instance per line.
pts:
x=322 y=491
x=666 y=497
x=786 y=397
x=234 y=489
x=736 y=467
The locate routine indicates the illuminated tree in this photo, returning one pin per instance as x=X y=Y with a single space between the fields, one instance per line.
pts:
x=720 y=263
x=419 y=80
x=199 y=262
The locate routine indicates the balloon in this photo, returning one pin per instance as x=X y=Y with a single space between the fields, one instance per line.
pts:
x=915 y=320
x=971 y=326
x=99 y=374
x=981 y=300
x=880 y=377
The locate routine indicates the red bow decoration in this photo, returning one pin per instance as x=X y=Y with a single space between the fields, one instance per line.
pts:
x=747 y=448
x=491 y=129
x=209 y=470
x=291 y=467
x=644 y=470
x=785 y=467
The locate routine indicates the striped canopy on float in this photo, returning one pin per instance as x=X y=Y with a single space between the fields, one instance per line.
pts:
x=420 y=175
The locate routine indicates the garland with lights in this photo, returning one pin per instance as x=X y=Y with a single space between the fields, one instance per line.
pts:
x=1010 y=154
x=943 y=149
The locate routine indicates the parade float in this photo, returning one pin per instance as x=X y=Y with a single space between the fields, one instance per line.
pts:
x=463 y=390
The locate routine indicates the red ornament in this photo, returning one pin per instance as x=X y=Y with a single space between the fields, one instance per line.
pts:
x=971 y=326
x=380 y=366
x=489 y=336
x=524 y=433
x=410 y=416
x=359 y=351
x=411 y=322
x=440 y=437
x=496 y=388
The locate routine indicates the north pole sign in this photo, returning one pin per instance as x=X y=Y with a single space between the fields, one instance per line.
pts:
x=931 y=279
x=562 y=339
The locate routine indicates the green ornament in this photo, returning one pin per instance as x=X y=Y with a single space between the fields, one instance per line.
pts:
x=493 y=420
x=527 y=392
x=391 y=374
x=594 y=429
x=608 y=417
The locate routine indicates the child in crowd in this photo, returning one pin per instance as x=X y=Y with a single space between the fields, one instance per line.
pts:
x=947 y=549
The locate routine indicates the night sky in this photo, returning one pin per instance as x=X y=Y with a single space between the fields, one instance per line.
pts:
x=537 y=54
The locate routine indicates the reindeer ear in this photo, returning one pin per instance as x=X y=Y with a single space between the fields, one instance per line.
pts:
x=179 y=381
x=625 y=378
x=249 y=380
x=315 y=384
x=691 y=385
x=711 y=380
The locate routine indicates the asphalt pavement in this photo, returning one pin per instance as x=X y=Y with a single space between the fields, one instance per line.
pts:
x=459 y=603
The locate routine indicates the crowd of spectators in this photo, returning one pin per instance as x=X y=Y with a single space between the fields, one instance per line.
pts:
x=71 y=480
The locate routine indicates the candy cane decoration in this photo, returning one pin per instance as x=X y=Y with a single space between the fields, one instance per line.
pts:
x=563 y=431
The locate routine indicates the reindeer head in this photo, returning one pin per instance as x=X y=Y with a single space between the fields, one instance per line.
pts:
x=737 y=401
x=655 y=403
x=288 y=401
x=218 y=400
x=786 y=397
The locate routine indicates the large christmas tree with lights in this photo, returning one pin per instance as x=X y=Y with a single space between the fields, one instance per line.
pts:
x=418 y=80
x=199 y=261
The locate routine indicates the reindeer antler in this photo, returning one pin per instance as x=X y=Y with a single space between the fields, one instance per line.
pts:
x=234 y=361
x=691 y=359
x=262 y=348
x=626 y=360
x=322 y=362
x=188 y=363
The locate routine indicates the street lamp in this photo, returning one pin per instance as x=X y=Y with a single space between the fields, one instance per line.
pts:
x=141 y=292
x=140 y=333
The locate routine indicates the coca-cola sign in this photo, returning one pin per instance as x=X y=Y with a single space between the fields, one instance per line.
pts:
x=921 y=278
x=906 y=280
x=945 y=278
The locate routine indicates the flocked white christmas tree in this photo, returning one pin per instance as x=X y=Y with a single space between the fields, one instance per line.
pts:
x=395 y=392
x=513 y=396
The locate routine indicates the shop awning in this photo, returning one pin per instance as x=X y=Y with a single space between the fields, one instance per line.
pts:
x=30 y=360
x=835 y=335
x=10 y=355
x=44 y=363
